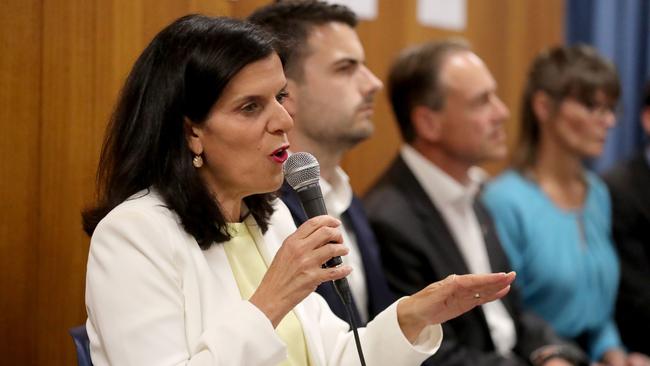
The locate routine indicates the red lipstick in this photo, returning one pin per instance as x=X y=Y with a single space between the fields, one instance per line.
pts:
x=280 y=155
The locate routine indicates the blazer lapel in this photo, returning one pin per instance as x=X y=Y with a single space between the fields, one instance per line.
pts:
x=290 y=198
x=444 y=252
x=311 y=330
x=497 y=257
x=379 y=295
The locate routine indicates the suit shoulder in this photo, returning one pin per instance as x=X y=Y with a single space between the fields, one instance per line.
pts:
x=144 y=205
x=145 y=213
x=140 y=227
x=384 y=189
x=383 y=196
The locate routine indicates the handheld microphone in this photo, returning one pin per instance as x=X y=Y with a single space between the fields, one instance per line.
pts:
x=302 y=172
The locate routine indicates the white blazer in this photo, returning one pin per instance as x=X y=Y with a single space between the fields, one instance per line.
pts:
x=153 y=297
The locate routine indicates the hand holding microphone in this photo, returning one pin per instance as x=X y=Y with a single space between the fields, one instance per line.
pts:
x=309 y=256
x=302 y=172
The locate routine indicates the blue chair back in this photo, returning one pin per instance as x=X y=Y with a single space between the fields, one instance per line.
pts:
x=81 y=344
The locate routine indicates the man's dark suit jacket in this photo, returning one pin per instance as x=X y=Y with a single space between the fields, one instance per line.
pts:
x=417 y=249
x=629 y=185
x=379 y=295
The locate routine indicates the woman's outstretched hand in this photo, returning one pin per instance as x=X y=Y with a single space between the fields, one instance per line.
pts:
x=449 y=298
x=296 y=268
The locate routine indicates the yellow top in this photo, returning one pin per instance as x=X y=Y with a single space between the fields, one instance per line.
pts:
x=249 y=268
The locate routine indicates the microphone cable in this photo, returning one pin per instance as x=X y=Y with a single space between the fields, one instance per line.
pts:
x=343 y=291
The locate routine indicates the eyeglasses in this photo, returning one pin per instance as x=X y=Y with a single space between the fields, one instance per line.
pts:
x=598 y=109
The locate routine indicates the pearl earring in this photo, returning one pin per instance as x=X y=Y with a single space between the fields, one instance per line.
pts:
x=197 y=161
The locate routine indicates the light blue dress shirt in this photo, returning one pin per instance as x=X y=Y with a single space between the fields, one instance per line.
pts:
x=567 y=268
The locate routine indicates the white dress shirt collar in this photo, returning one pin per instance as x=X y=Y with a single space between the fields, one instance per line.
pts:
x=438 y=185
x=337 y=193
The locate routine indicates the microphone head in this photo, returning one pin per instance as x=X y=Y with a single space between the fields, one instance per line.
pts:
x=301 y=169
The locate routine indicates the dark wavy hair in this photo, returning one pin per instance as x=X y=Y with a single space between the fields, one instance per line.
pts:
x=292 y=21
x=578 y=72
x=181 y=74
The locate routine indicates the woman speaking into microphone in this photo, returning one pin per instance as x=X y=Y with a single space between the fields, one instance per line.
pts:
x=179 y=271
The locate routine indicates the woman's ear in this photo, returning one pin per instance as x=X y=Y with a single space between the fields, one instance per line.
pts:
x=427 y=123
x=193 y=134
x=542 y=106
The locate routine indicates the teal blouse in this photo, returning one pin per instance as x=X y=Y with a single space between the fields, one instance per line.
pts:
x=566 y=265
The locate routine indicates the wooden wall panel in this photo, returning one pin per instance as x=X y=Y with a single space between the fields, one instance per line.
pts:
x=67 y=156
x=58 y=82
x=20 y=99
x=243 y=8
